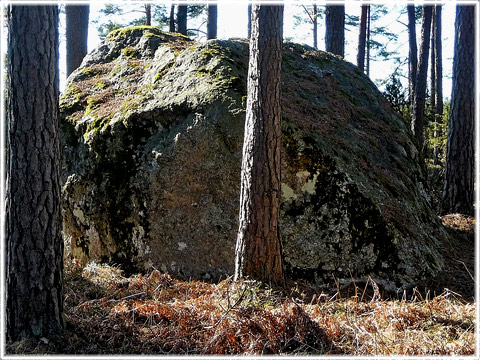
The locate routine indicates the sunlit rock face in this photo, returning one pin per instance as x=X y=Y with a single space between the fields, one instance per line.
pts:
x=152 y=128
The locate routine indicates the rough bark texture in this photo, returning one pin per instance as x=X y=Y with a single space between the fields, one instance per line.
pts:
x=335 y=29
x=76 y=34
x=182 y=19
x=458 y=192
x=433 y=82
x=421 y=78
x=258 y=252
x=33 y=218
x=367 y=68
x=315 y=27
x=412 y=53
x=438 y=79
x=172 y=19
x=362 y=38
x=212 y=22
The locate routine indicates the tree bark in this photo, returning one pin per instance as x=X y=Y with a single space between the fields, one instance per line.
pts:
x=421 y=79
x=212 y=22
x=438 y=79
x=258 y=252
x=433 y=81
x=368 y=42
x=148 y=14
x=249 y=26
x=412 y=53
x=315 y=26
x=335 y=29
x=172 y=19
x=362 y=38
x=76 y=20
x=33 y=216
x=458 y=192
x=182 y=19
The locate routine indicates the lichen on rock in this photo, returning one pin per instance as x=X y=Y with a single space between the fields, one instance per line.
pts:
x=152 y=126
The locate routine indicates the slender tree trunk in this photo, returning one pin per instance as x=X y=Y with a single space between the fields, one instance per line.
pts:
x=212 y=22
x=421 y=80
x=148 y=14
x=438 y=79
x=172 y=19
x=433 y=81
x=76 y=35
x=362 y=38
x=258 y=252
x=33 y=225
x=458 y=191
x=182 y=19
x=335 y=29
x=249 y=27
x=412 y=54
x=368 y=41
x=315 y=26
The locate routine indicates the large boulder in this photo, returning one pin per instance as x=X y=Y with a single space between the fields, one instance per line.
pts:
x=153 y=130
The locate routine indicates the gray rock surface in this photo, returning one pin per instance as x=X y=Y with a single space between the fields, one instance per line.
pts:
x=153 y=132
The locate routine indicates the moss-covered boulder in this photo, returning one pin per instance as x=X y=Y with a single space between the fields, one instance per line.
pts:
x=153 y=131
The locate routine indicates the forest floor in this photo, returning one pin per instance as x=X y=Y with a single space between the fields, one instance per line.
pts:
x=107 y=313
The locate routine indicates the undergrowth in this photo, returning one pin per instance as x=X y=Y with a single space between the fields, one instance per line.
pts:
x=107 y=313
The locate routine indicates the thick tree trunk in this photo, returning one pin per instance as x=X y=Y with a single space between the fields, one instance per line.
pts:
x=212 y=22
x=258 y=252
x=33 y=217
x=148 y=14
x=438 y=79
x=171 y=22
x=315 y=26
x=335 y=29
x=458 y=191
x=412 y=53
x=76 y=19
x=421 y=79
x=362 y=38
x=182 y=19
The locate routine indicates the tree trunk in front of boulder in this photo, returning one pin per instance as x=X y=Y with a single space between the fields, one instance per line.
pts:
x=459 y=191
x=33 y=227
x=258 y=252
x=439 y=80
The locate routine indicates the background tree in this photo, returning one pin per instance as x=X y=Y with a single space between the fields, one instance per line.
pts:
x=438 y=111
x=312 y=15
x=421 y=78
x=412 y=51
x=182 y=19
x=458 y=191
x=33 y=215
x=335 y=29
x=148 y=14
x=362 y=38
x=171 y=19
x=212 y=22
x=76 y=34
x=258 y=252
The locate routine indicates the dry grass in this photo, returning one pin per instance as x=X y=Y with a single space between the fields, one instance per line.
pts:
x=109 y=314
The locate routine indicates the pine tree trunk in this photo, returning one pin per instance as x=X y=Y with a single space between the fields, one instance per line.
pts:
x=439 y=79
x=171 y=22
x=182 y=19
x=362 y=38
x=148 y=14
x=212 y=22
x=412 y=53
x=368 y=43
x=421 y=79
x=458 y=191
x=315 y=26
x=76 y=20
x=335 y=29
x=258 y=252
x=33 y=217
x=433 y=81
